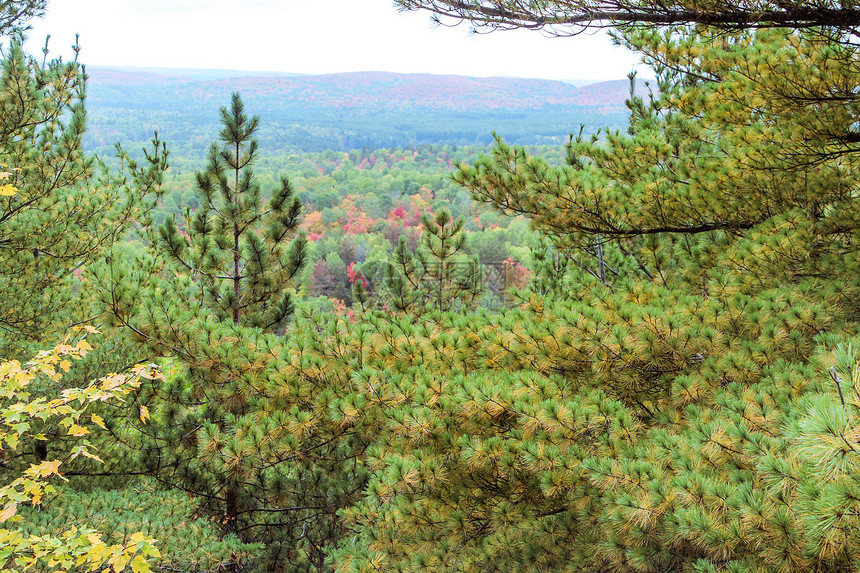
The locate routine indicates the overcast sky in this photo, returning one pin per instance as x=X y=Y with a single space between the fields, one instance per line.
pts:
x=313 y=36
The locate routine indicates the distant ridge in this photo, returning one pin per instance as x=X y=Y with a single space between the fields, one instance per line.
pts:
x=376 y=90
x=347 y=110
x=194 y=73
x=612 y=92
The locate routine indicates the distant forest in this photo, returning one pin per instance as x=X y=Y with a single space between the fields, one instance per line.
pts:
x=370 y=110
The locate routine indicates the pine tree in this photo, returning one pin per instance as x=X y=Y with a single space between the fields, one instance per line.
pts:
x=550 y=267
x=241 y=422
x=239 y=257
x=681 y=415
x=59 y=209
x=687 y=402
x=569 y=17
x=238 y=252
x=438 y=277
x=14 y=14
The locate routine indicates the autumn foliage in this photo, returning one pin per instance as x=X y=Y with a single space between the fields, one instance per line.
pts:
x=21 y=412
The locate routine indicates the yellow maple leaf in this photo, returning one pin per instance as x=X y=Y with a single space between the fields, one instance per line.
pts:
x=49 y=468
x=87 y=454
x=137 y=537
x=8 y=511
x=140 y=565
x=77 y=431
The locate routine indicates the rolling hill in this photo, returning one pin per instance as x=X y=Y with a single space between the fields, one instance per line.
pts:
x=348 y=110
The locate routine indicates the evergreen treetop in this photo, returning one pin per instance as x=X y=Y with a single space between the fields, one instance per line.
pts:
x=439 y=276
x=237 y=248
x=67 y=208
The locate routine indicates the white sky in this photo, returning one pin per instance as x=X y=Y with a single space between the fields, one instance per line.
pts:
x=313 y=36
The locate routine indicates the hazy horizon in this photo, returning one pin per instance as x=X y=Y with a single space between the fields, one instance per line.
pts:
x=323 y=37
x=227 y=73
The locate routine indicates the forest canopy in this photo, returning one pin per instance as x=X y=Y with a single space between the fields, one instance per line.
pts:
x=637 y=353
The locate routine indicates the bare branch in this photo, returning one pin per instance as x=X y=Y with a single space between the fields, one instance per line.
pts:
x=570 y=17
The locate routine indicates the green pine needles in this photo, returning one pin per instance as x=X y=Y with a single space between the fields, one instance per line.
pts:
x=237 y=248
x=677 y=391
x=439 y=275
x=60 y=209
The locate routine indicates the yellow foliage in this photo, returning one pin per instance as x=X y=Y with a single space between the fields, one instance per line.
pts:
x=73 y=548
